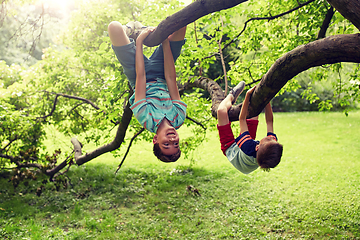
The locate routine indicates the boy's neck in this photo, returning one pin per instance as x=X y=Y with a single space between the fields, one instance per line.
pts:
x=164 y=124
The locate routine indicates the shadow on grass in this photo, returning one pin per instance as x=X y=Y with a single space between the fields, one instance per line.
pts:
x=95 y=186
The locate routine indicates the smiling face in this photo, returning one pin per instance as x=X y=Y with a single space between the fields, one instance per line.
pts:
x=168 y=140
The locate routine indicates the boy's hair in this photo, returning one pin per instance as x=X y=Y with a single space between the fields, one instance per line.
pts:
x=269 y=155
x=165 y=158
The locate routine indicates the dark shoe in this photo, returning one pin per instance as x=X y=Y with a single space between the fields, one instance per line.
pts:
x=237 y=90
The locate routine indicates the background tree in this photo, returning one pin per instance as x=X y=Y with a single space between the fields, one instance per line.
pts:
x=82 y=89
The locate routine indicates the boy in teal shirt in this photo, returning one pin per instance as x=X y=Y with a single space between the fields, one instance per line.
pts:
x=156 y=103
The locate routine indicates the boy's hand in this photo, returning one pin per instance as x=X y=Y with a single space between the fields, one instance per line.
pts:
x=250 y=91
x=144 y=34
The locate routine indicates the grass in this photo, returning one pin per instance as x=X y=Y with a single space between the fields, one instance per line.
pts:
x=313 y=194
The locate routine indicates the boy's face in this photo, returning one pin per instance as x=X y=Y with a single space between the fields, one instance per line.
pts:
x=168 y=140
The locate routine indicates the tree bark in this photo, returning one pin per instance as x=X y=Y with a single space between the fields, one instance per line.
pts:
x=209 y=85
x=350 y=9
x=185 y=16
x=333 y=49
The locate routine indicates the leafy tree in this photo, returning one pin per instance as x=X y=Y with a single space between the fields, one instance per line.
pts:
x=26 y=29
x=82 y=89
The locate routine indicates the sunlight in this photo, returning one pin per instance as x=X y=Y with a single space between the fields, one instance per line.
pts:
x=59 y=5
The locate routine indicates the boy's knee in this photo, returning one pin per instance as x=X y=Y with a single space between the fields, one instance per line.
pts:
x=114 y=26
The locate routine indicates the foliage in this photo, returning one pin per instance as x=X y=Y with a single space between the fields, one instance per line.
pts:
x=26 y=29
x=82 y=91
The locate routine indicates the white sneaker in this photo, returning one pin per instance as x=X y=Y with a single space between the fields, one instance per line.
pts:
x=129 y=28
x=237 y=90
x=138 y=29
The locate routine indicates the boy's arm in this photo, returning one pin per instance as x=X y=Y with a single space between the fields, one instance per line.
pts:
x=140 y=85
x=244 y=111
x=269 y=118
x=169 y=71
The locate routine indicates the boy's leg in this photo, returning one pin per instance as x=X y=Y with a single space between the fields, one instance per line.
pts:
x=117 y=34
x=225 y=133
x=178 y=35
x=222 y=112
x=157 y=58
x=124 y=49
x=252 y=124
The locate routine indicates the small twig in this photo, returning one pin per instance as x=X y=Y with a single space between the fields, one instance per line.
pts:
x=9 y=143
x=71 y=97
x=128 y=149
x=262 y=18
x=198 y=123
x=196 y=40
x=62 y=173
x=222 y=57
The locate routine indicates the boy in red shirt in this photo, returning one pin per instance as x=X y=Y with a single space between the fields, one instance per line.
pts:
x=245 y=153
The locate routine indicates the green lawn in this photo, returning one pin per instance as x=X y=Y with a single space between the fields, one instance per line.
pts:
x=314 y=193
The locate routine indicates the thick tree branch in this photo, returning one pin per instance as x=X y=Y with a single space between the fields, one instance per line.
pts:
x=115 y=144
x=334 y=49
x=330 y=50
x=185 y=16
x=350 y=9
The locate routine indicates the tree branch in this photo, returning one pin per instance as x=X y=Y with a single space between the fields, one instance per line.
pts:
x=349 y=9
x=71 y=97
x=115 y=144
x=128 y=149
x=196 y=122
x=333 y=49
x=261 y=18
x=187 y=15
x=326 y=23
x=222 y=57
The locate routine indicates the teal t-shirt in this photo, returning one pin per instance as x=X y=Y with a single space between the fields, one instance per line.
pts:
x=158 y=105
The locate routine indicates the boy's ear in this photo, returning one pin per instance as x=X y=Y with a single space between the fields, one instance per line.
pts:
x=257 y=147
x=155 y=139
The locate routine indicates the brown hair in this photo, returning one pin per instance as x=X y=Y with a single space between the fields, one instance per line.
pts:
x=165 y=158
x=269 y=155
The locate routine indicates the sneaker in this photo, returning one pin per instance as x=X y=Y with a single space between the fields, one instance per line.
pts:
x=237 y=90
x=138 y=29
x=129 y=28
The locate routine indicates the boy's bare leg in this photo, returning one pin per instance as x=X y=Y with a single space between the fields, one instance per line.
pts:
x=178 y=35
x=222 y=112
x=117 y=34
